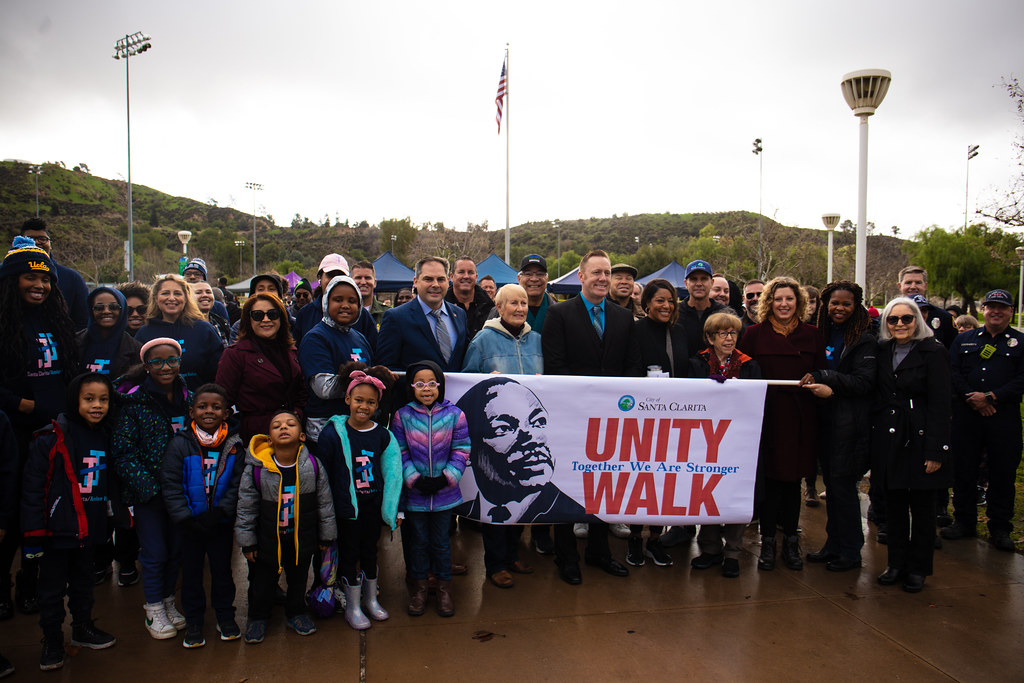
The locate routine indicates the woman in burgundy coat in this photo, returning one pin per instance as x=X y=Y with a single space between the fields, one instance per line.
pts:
x=785 y=348
x=261 y=370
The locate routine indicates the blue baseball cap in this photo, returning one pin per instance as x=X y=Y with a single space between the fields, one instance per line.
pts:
x=998 y=296
x=699 y=265
x=919 y=299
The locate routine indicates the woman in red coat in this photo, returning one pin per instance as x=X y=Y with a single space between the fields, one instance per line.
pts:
x=785 y=348
x=261 y=370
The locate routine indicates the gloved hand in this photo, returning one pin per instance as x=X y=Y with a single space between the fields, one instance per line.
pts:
x=32 y=552
x=430 y=485
x=441 y=482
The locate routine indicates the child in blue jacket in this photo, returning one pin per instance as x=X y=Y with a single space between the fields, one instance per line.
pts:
x=66 y=493
x=201 y=473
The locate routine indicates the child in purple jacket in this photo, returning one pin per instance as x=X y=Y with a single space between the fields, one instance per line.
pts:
x=434 y=438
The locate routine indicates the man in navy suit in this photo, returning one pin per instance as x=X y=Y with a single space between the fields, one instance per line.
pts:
x=426 y=328
x=587 y=335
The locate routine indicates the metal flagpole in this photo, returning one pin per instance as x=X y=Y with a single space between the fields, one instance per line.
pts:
x=508 y=119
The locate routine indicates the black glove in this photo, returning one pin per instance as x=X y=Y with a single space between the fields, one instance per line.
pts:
x=440 y=482
x=423 y=485
x=431 y=485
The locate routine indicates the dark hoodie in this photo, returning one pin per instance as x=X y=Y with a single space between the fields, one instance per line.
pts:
x=108 y=352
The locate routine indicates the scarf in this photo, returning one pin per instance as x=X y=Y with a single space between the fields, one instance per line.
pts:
x=785 y=329
x=515 y=331
x=211 y=440
x=731 y=369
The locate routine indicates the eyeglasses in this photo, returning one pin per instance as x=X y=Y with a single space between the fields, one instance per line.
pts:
x=533 y=274
x=157 y=363
x=42 y=239
x=138 y=310
x=725 y=334
x=112 y=307
x=426 y=385
x=272 y=314
x=905 y=319
x=753 y=295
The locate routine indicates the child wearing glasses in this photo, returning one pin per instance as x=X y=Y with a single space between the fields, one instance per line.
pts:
x=364 y=463
x=330 y=344
x=433 y=436
x=156 y=404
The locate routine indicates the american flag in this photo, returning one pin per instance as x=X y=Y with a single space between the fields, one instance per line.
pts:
x=499 y=99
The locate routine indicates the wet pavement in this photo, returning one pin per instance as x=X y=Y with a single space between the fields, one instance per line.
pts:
x=661 y=623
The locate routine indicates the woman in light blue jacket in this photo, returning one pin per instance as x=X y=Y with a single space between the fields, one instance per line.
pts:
x=506 y=344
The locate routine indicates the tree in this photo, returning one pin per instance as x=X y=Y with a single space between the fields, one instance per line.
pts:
x=1009 y=209
x=405 y=236
x=968 y=262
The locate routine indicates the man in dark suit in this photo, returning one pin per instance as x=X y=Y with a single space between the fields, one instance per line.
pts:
x=428 y=327
x=588 y=336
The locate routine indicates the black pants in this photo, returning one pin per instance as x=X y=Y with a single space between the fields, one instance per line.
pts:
x=1000 y=437
x=195 y=548
x=566 y=552
x=501 y=546
x=911 y=522
x=844 y=533
x=780 y=507
x=357 y=540
x=65 y=572
x=264 y=584
x=123 y=547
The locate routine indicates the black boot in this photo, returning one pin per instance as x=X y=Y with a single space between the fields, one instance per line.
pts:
x=6 y=604
x=767 y=559
x=25 y=589
x=791 y=552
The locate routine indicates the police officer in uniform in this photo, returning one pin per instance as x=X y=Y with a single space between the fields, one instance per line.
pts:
x=988 y=381
x=914 y=281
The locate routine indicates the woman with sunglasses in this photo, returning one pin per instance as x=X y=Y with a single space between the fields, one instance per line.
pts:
x=136 y=297
x=156 y=404
x=105 y=345
x=910 y=439
x=785 y=348
x=261 y=370
x=173 y=313
x=844 y=421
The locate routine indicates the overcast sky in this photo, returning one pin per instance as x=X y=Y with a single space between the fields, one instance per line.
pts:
x=372 y=110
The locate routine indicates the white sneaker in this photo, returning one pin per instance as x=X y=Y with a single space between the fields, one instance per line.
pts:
x=176 y=618
x=157 y=623
x=580 y=529
x=620 y=530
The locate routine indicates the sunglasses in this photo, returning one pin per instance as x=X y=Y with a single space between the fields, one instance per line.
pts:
x=157 y=363
x=905 y=319
x=753 y=295
x=138 y=310
x=272 y=314
x=113 y=308
x=426 y=385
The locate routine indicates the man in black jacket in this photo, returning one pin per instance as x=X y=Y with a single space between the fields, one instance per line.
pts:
x=465 y=292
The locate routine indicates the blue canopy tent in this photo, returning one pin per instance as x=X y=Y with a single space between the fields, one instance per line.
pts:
x=673 y=272
x=502 y=273
x=391 y=273
x=567 y=284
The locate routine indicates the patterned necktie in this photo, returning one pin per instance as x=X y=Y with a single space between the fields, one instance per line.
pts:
x=595 y=316
x=441 y=332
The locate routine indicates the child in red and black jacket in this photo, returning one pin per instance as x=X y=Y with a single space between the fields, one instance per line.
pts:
x=66 y=494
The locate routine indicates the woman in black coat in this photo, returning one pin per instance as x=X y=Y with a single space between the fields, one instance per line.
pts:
x=910 y=439
x=844 y=422
x=662 y=342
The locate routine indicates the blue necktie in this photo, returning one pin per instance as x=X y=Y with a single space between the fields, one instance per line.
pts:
x=444 y=340
x=595 y=313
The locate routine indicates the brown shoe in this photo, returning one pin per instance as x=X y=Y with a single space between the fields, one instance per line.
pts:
x=418 y=597
x=502 y=579
x=445 y=606
x=520 y=567
x=458 y=569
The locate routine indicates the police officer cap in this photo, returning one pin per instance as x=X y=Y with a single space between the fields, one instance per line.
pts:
x=998 y=296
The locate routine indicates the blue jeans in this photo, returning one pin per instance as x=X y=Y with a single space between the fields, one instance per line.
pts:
x=431 y=550
x=159 y=549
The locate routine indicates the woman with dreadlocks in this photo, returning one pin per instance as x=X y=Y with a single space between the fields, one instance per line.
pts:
x=845 y=419
x=38 y=359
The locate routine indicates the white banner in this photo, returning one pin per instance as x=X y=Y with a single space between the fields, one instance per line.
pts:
x=635 y=450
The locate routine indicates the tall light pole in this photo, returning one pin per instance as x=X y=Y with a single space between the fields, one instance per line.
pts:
x=36 y=169
x=239 y=244
x=972 y=151
x=760 y=201
x=1020 y=291
x=393 y=238
x=864 y=91
x=255 y=187
x=831 y=220
x=129 y=46
x=558 y=226
x=183 y=236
